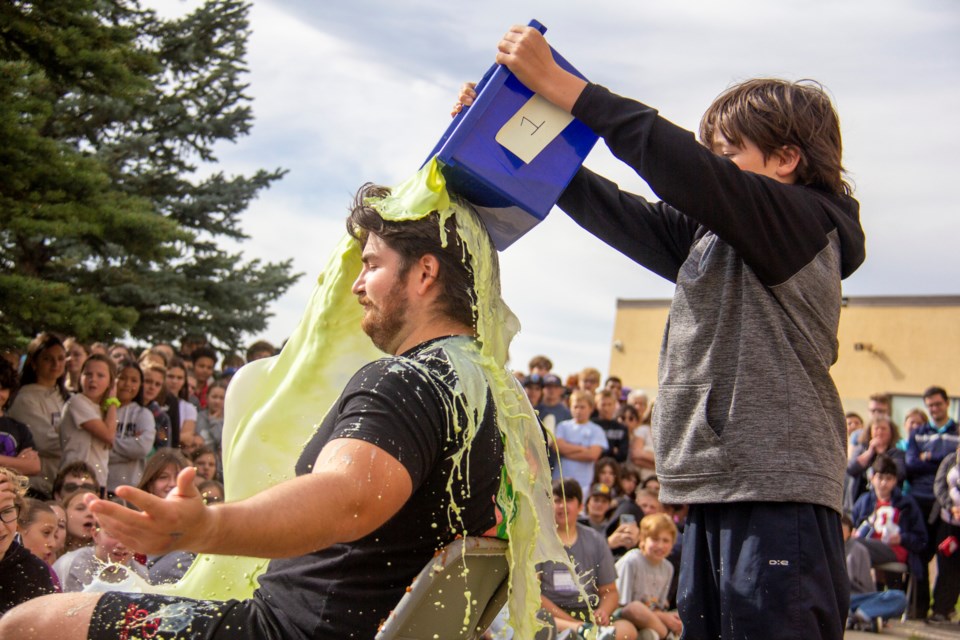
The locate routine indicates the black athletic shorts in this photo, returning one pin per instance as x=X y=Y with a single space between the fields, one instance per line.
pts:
x=148 y=616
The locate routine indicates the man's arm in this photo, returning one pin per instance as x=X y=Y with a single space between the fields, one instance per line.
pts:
x=354 y=489
x=609 y=601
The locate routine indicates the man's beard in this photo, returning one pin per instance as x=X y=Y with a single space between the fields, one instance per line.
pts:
x=382 y=322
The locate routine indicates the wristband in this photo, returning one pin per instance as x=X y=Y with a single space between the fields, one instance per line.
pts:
x=111 y=402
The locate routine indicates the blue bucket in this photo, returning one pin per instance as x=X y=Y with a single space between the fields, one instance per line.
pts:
x=512 y=154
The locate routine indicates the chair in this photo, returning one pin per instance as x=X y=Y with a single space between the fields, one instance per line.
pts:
x=435 y=605
x=902 y=569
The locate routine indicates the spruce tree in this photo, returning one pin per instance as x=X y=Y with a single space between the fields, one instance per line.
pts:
x=110 y=214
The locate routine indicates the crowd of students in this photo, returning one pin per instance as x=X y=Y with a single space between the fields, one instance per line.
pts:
x=901 y=502
x=77 y=419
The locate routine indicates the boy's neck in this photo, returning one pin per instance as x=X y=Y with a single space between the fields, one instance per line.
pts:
x=584 y=422
x=885 y=498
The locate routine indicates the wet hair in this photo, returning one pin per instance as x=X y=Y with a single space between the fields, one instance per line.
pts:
x=884 y=464
x=568 y=489
x=160 y=460
x=413 y=239
x=38 y=345
x=657 y=523
x=772 y=113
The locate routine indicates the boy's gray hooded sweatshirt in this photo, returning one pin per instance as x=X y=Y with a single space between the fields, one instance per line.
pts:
x=746 y=409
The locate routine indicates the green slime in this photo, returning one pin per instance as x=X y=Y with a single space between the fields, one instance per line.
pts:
x=273 y=405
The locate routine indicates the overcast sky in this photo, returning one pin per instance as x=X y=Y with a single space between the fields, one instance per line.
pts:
x=346 y=93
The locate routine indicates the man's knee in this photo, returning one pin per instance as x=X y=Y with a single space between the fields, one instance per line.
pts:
x=60 y=615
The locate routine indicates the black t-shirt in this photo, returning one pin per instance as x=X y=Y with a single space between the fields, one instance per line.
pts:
x=404 y=405
x=617 y=437
x=23 y=576
x=14 y=437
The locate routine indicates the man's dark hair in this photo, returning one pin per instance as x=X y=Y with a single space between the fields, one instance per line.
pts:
x=936 y=391
x=8 y=380
x=413 y=239
x=884 y=464
x=568 y=490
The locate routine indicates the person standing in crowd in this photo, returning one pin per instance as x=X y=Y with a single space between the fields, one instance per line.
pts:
x=136 y=429
x=879 y=438
x=946 y=487
x=39 y=405
x=595 y=570
x=618 y=436
x=77 y=354
x=579 y=441
x=89 y=424
x=17 y=450
x=204 y=363
x=552 y=410
x=752 y=332
x=540 y=365
x=23 y=576
x=927 y=447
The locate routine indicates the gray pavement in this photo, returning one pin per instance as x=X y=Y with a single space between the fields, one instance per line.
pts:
x=912 y=629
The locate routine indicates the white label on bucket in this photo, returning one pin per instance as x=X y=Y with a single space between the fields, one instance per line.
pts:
x=532 y=128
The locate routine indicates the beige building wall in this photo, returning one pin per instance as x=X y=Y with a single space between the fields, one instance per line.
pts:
x=899 y=345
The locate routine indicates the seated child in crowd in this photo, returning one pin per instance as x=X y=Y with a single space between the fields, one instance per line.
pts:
x=889 y=523
x=869 y=608
x=593 y=561
x=107 y=559
x=80 y=523
x=38 y=524
x=23 y=576
x=579 y=441
x=623 y=531
x=644 y=576
x=595 y=511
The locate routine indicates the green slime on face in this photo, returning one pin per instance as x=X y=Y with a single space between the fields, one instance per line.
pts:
x=272 y=405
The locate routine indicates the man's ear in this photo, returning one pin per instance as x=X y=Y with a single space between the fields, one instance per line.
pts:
x=787 y=158
x=428 y=271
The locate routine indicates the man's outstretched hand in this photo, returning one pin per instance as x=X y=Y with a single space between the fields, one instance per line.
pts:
x=179 y=521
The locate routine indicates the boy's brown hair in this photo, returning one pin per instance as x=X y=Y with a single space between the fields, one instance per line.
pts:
x=657 y=523
x=773 y=113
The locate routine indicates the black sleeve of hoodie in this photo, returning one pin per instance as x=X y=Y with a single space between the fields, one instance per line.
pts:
x=777 y=229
